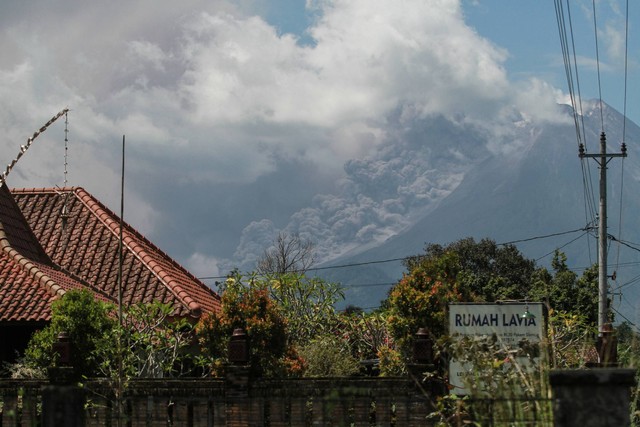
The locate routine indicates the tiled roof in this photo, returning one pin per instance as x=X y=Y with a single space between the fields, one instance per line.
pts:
x=29 y=282
x=84 y=242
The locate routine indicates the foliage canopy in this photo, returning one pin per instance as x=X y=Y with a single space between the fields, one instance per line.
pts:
x=89 y=326
x=247 y=305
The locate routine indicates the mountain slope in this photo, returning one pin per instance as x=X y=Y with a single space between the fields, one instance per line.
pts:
x=533 y=191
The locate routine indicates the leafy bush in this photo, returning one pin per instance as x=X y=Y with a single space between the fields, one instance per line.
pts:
x=152 y=344
x=89 y=326
x=307 y=303
x=391 y=363
x=571 y=338
x=502 y=384
x=149 y=344
x=329 y=356
x=249 y=307
x=421 y=298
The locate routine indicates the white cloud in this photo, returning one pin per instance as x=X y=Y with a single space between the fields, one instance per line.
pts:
x=222 y=84
x=614 y=38
x=148 y=52
x=212 y=97
x=203 y=265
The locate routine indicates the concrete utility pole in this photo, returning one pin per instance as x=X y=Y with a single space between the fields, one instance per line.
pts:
x=603 y=159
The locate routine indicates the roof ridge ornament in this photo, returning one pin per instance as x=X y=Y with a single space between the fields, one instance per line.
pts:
x=64 y=214
x=24 y=148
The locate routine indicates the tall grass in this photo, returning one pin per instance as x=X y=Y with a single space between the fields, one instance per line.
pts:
x=502 y=386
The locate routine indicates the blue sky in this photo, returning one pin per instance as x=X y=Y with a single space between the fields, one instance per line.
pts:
x=241 y=115
x=528 y=30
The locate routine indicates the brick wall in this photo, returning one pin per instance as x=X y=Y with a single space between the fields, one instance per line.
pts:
x=236 y=401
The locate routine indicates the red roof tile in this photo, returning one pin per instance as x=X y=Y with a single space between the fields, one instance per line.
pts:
x=29 y=282
x=85 y=243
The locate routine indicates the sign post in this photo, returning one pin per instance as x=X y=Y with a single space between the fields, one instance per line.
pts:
x=511 y=323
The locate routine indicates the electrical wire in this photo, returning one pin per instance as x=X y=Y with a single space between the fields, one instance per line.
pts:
x=628 y=283
x=563 y=246
x=566 y=56
x=358 y=264
x=624 y=298
x=595 y=33
x=624 y=317
x=625 y=243
x=621 y=208
x=624 y=121
x=626 y=72
x=586 y=229
x=368 y=285
x=382 y=261
x=567 y=43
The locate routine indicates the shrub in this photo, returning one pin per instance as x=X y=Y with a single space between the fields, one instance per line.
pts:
x=249 y=307
x=89 y=326
x=329 y=356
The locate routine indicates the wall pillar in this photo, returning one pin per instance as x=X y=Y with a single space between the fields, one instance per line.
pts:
x=237 y=382
x=62 y=400
x=592 y=397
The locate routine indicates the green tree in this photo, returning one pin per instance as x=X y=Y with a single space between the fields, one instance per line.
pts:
x=628 y=345
x=571 y=339
x=248 y=306
x=366 y=333
x=328 y=356
x=462 y=271
x=290 y=253
x=89 y=325
x=369 y=337
x=152 y=344
x=421 y=297
x=307 y=303
x=565 y=292
x=489 y=271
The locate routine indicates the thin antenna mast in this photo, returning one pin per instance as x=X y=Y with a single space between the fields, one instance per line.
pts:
x=120 y=253
x=120 y=262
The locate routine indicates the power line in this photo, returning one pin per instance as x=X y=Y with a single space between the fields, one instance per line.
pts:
x=358 y=264
x=628 y=283
x=624 y=120
x=382 y=261
x=624 y=298
x=567 y=44
x=624 y=317
x=586 y=229
x=595 y=33
x=626 y=71
x=560 y=247
x=367 y=285
x=625 y=243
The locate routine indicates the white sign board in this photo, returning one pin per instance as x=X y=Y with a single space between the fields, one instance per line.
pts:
x=507 y=321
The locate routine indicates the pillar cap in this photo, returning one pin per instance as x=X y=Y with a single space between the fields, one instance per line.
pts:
x=595 y=377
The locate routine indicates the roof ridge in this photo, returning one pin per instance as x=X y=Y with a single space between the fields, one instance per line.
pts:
x=38 y=254
x=105 y=215
x=32 y=190
x=83 y=282
x=29 y=266
x=131 y=229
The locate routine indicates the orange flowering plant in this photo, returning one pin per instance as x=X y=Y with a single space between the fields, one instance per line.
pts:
x=421 y=297
x=246 y=304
